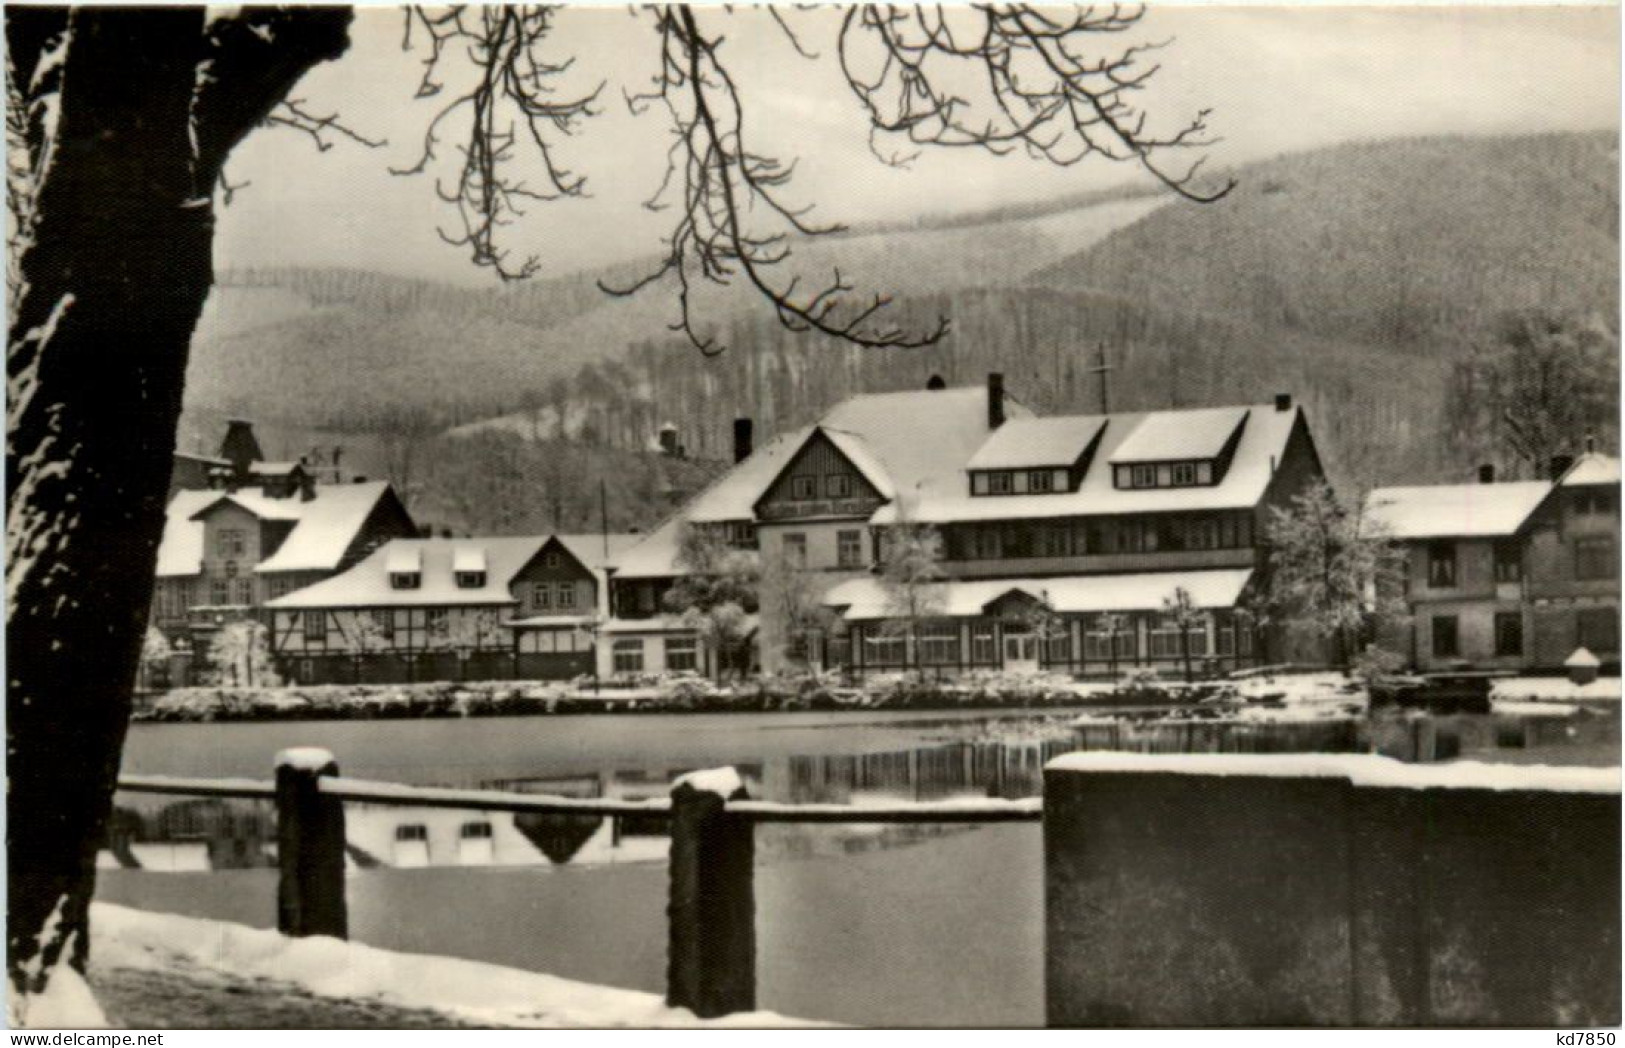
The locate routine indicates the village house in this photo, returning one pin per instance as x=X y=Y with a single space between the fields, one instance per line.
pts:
x=1063 y=538
x=488 y=608
x=1508 y=575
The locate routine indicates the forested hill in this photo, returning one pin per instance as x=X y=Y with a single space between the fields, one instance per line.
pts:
x=1354 y=277
x=1388 y=243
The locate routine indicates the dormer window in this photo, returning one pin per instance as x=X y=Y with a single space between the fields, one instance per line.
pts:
x=468 y=567
x=1192 y=474
x=405 y=566
x=1019 y=482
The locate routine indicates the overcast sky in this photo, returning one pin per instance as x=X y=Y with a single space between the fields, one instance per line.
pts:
x=1278 y=79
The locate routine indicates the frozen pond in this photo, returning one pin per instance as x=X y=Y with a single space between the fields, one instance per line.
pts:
x=883 y=926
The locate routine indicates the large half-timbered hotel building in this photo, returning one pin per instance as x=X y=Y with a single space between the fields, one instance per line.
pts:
x=491 y=608
x=1098 y=519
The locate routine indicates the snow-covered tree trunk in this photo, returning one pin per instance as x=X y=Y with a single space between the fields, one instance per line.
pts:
x=135 y=111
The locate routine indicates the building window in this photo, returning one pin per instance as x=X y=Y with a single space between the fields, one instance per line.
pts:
x=740 y=534
x=567 y=596
x=849 y=549
x=1508 y=562
x=315 y=626
x=983 y=650
x=1441 y=565
x=1143 y=476
x=219 y=592
x=998 y=483
x=230 y=542
x=1053 y=540
x=1594 y=558
x=384 y=623
x=1058 y=648
x=541 y=596
x=1184 y=475
x=1039 y=482
x=1202 y=534
x=1446 y=637
x=627 y=656
x=242 y=591
x=476 y=831
x=795 y=549
x=884 y=649
x=552 y=560
x=939 y=643
x=1597 y=630
x=1165 y=641
x=413 y=831
x=438 y=622
x=838 y=486
x=470 y=579
x=978 y=483
x=405 y=580
x=1508 y=633
x=682 y=654
x=1593 y=503
x=803 y=489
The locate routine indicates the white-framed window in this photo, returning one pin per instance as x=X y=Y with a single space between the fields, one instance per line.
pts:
x=1040 y=482
x=231 y=542
x=884 y=649
x=1184 y=474
x=1018 y=482
x=1165 y=641
x=939 y=643
x=385 y=622
x=978 y=483
x=315 y=625
x=838 y=486
x=849 y=548
x=219 y=592
x=803 y=489
x=1058 y=648
x=470 y=579
x=626 y=656
x=998 y=483
x=983 y=649
x=795 y=549
x=475 y=831
x=541 y=595
x=405 y=580
x=566 y=595
x=682 y=654
x=1143 y=476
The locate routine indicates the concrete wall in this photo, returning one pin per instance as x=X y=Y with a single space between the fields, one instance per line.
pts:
x=1311 y=890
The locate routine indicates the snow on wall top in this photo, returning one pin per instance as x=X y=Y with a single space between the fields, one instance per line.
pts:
x=724 y=782
x=1454 y=510
x=1359 y=768
x=866 y=598
x=1166 y=436
x=1056 y=442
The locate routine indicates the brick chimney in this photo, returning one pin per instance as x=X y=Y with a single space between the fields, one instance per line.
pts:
x=743 y=430
x=1486 y=473
x=995 y=399
x=1283 y=402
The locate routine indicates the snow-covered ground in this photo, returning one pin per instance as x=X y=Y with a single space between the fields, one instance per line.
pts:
x=465 y=991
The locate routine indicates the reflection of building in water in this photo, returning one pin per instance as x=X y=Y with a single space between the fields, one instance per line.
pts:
x=191 y=835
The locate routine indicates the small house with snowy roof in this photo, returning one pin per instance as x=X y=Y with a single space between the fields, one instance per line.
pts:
x=422 y=609
x=1508 y=575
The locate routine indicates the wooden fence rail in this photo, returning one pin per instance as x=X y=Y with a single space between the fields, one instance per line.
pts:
x=711 y=935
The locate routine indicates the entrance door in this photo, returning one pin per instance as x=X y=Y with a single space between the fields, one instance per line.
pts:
x=1020 y=651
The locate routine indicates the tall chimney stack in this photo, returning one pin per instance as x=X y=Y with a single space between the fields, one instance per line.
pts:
x=1283 y=402
x=995 y=399
x=743 y=430
x=240 y=448
x=1486 y=473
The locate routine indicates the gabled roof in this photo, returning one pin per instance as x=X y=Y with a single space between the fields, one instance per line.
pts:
x=1259 y=450
x=863 y=459
x=1454 y=510
x=866 y=598
x=437 y=561
x=1171 y=436
x=323 y=526
x=1592 y=468
x=1057 y=442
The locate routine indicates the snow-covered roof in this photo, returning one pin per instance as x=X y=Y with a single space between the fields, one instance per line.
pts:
x=437 y=562
x=914 y=443
x=324 y=526
x=1453 y=510
x=1592 y=468
x=1037 y=442
x=328 y=524
x=1165 y=436
x=403 y=558
x=273 y=469
x=1261 y=448
x=867 y=597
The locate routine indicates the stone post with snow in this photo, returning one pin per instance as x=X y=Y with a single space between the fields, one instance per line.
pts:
x=310 y=846
x=711 y=914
